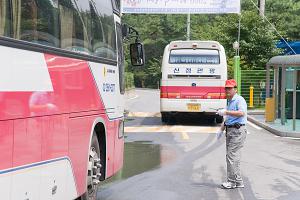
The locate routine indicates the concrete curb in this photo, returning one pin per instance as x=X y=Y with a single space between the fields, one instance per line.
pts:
x=256 y=112
x=147 y=89
x=272 y=130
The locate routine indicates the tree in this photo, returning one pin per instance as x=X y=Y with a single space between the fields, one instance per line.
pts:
x=258 y=39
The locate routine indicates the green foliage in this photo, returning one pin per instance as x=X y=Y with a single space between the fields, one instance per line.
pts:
x=257 y=42
x=129 y=80
x=286 y=16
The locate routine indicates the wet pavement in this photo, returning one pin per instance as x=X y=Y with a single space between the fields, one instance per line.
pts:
x=184 y=161
x=139 y=157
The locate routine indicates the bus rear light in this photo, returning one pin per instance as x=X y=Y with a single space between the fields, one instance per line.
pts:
x=170 y=95
x=223 y=96
x=173 y=95
x=163 y=95
x=213 y=96
x=175 y=45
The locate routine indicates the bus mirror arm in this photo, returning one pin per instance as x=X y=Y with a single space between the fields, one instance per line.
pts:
x=129 y=32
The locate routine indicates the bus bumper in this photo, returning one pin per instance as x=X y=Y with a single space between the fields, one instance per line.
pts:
x=192 y=105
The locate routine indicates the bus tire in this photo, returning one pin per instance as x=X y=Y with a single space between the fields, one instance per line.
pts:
x=164 y=117
x=93 y=173
x=219 y=119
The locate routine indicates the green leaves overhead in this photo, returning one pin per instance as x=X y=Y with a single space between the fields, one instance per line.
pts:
x=257 y=43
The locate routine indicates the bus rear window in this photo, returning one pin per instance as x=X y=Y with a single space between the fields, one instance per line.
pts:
x=197 y=56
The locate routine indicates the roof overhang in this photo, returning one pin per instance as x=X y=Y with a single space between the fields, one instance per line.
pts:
x=288 y=61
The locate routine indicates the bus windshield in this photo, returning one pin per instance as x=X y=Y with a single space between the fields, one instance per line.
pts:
x=194 y=56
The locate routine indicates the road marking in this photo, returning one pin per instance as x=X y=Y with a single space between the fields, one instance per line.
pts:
x=292 y=138
x=185 y=136
x=254 y=126
x=170 y=129
x=143 y=114
x=136 y=96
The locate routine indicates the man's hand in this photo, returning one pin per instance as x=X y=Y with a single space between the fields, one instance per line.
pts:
x=219 y=133
x=222 y=112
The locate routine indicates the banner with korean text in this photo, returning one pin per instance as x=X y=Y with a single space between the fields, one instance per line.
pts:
x=181 y=6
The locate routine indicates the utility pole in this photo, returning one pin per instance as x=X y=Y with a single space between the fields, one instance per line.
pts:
x=262 y=7
x=188 y=27
x=236 y=60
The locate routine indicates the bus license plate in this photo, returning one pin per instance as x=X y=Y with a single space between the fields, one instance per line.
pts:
x=193 y=107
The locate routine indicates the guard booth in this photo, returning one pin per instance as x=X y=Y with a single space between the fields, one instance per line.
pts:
x=285 y=101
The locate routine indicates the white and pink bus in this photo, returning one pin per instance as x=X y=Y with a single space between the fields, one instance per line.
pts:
x=193 y=79
x=61 y=97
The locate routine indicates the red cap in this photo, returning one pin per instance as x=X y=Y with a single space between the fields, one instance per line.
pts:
x=230 y=83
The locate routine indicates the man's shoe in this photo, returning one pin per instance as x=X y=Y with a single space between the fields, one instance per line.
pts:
x=240 y=185
x=228 y=185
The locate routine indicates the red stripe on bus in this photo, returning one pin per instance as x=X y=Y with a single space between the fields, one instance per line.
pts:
x=197 y=89
x=190 y=92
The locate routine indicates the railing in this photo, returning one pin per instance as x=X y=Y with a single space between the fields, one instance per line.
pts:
x=256 y=79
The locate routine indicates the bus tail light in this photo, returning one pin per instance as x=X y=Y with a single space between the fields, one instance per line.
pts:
x=163 y=95
x=223 y=96
x=170 y=95
x=213 y=96
x=173 y=95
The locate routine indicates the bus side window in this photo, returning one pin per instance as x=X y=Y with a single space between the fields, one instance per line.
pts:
x=105 y=45
x=5 y=22
x=36 y=21
x=98 y=41
x=74 y=33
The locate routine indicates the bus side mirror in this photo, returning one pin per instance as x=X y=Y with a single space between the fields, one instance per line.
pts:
x=137 y=54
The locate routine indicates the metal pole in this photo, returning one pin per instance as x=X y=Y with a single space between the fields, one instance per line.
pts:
x=238 y=54
x=188 y=27
x=294 y=99
x=237 y=72
x=239 y=34
x=236 y=60
x=262 y=5
x=283 y=77
x=275 y=93
x=268 y=82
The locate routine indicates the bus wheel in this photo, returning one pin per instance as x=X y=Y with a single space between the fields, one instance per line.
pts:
x=219 y=119
x=164 y=117
x=94 y=168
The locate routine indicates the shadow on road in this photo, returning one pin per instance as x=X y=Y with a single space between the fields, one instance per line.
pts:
x=178 y=120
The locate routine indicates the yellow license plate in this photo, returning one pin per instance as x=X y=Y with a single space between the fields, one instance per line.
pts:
x=193 y=107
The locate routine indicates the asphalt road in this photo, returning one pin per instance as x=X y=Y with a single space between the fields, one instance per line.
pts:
x=185 y=161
